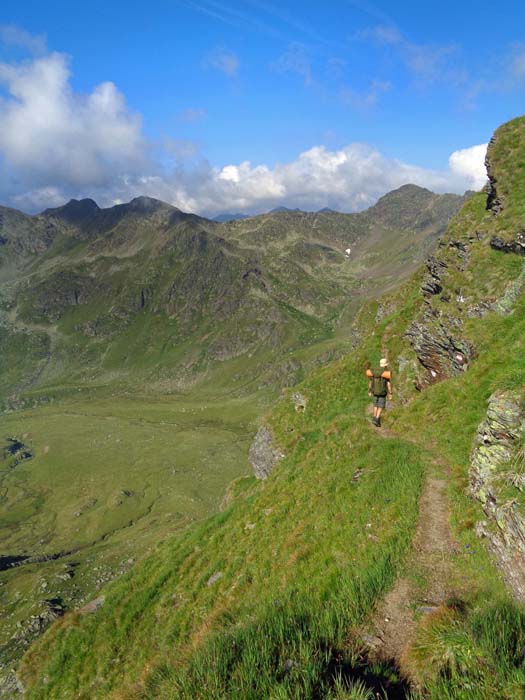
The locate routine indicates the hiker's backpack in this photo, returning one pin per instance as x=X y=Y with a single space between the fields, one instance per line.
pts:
x=380 y=377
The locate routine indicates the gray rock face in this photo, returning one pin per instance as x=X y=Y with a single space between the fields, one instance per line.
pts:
x=384 y=309
x=442 y=353
x=432 y=283
x=10 y=686
x=494 y=201
x=495 y=459
x=263 y=454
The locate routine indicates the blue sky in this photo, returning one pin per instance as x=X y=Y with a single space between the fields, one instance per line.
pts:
x=325 y=104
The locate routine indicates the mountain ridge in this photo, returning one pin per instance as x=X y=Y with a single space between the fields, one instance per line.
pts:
x=291 y=264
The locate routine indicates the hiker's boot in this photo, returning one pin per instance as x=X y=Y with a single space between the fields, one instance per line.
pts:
x=375 y=421
x=378 y=422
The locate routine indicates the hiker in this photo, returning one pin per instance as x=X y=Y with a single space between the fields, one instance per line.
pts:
x=379 y=386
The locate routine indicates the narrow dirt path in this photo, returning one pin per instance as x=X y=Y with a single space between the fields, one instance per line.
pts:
x=426 y=586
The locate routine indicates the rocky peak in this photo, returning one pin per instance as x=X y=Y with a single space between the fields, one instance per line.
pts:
x=411 y=206
x=76 y=211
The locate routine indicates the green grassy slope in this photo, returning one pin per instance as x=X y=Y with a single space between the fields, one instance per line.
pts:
x=264 y=600
x=109 y=478
x=139 y=345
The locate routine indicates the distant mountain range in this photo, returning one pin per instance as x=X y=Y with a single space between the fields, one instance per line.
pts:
x=93 y=287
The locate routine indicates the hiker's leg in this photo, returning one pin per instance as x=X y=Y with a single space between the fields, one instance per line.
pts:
x=381 y=403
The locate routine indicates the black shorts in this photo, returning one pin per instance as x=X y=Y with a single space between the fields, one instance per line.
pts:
x=380 y=401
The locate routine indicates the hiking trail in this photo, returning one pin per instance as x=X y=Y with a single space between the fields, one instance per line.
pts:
x=393 y=625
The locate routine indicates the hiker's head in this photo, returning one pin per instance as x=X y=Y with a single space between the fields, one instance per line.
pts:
x=383 y=362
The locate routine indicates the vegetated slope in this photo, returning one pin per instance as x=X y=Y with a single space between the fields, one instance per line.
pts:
x=269 y=598
x=143 y=290
x=139 y=346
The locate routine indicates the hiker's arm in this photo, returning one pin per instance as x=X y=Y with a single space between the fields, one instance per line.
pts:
x=389 y=388
x=369 y=387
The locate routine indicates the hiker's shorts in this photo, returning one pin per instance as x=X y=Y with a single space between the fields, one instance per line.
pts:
x=380 y=401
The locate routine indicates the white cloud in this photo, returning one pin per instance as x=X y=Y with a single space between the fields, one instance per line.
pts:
x=506 y=74
x=517 y=63
x=51 y=136
x=224 y=61
x=349 y=179
x=56 y=144
x=469 y=163
x=368 y=99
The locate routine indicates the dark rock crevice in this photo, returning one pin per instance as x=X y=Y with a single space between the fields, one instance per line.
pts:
x=432 y=284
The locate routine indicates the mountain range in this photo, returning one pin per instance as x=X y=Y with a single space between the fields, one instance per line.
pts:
x=89 y=289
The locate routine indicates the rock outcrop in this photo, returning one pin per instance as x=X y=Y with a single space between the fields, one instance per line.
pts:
x=516 y=246
x=263 y=454
x=432 y=283
x=497 y=468
x=494 y=200
x=441 y=352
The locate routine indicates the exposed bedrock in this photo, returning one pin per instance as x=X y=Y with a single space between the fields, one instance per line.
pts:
x=497 y=478
x=516 y=246
x=263 y=454
x=432 y=283
x=494 y=200
x=441 y=353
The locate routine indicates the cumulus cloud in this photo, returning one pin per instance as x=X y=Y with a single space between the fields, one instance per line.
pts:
x=469 y=164
x=50 y=136
x=56 y=144
x=349 y=179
